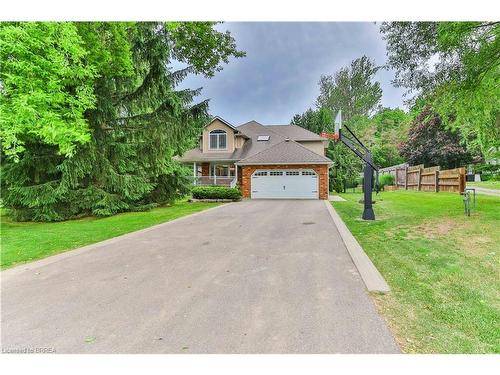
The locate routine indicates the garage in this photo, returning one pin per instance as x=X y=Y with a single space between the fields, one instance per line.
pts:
x=284 y=184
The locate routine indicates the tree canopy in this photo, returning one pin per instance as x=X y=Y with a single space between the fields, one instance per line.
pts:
x=351 y=89
x=132 y=123
x=387 y=129
x=455 y=68
x=430 y=143
x=354 y=90
x=46 y=86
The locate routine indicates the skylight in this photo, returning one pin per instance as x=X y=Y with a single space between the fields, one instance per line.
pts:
x=263 y=138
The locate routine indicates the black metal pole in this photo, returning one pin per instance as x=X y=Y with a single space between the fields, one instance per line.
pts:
x=368 y=213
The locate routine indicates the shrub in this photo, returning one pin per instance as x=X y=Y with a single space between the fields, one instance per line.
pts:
x=351 y=184
x=216 y=192
x=336 y=185
x=488 y=171
x=385 y=179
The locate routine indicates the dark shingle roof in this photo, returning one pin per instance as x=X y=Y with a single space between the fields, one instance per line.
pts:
x=294 y=132
x=195 y=154
x=285 y=152
x=266 y=151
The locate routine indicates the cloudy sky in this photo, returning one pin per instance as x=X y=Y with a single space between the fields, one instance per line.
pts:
x=279 y=76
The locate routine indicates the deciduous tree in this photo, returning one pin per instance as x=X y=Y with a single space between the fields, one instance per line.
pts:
x=46 y=86
x=431 y=143
x=137 y=124
x=390 y=128
x=351 y=89
x=455 y=68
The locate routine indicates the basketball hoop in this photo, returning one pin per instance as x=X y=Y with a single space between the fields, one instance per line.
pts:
x=335 y=136
x=332 y=136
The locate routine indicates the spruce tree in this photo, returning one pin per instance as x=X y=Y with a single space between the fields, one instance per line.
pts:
x=136 y=127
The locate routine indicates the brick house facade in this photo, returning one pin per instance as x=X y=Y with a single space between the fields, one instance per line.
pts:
x=245 y=176
x=227 y=155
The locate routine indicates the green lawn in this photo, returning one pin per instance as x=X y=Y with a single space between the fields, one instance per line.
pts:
x=443 y=268
x=24 y=242
x=485 y=184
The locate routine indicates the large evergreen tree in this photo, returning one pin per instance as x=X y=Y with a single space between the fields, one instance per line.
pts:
x=134 y=128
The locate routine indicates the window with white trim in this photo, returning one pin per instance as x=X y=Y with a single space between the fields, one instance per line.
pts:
x=308 y=173
x=292 y=173
x=217 y=140
x=275 y=173
x=260 y=173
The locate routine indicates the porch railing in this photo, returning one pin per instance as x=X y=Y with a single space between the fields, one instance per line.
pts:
x=215 y=180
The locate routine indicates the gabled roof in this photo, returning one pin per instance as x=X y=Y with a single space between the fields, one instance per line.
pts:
x=252 y=130
x=237 y=131
x=285 y=152
x=223 y=121
x=252 y=147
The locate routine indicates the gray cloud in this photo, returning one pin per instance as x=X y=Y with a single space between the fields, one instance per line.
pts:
x=279 y=76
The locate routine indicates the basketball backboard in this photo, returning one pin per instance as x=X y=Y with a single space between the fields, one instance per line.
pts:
x=338 y=124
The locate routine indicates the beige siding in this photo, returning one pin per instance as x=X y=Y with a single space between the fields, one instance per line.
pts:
x=216 y=124
x=315 y=146
x=239 y=142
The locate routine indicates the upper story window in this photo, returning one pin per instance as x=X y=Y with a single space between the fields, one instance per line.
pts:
x=217 y=140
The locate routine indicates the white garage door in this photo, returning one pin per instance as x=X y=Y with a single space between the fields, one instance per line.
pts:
x=284 y=183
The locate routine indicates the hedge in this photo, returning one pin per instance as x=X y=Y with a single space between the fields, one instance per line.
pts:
x=385 y=179
x=216 y=192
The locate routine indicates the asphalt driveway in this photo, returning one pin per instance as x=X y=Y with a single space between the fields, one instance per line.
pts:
x=248 y=277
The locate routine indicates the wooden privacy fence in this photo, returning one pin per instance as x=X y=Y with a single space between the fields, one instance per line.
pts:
x=430 y=179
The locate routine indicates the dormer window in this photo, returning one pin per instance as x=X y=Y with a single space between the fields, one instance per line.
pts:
x=217 y=140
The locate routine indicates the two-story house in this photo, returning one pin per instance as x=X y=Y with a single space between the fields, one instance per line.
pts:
x=265 y=161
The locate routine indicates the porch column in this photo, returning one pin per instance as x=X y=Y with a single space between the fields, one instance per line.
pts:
x=236 y=173
x=215 y=176
x=194 y=173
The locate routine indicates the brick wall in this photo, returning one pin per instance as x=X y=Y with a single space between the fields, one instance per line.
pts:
x=240 y=179
x=320 y=169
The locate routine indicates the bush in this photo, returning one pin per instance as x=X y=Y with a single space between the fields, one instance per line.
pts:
x=385 y=179
x=349 y=184
x=340 y=187
x=336 y=185
x=488 y=171
x=216 y=192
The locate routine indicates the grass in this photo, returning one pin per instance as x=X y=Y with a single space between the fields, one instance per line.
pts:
x=25 y=242
x=485 y=184
x=443 y=268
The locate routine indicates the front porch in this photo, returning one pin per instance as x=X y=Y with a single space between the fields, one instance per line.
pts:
x=215 y=173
